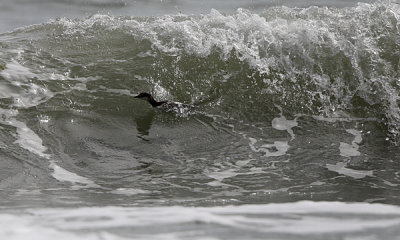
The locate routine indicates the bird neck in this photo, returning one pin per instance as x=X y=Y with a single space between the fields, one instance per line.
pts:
x=154 y=103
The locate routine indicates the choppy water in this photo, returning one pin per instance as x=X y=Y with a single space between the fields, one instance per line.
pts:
x=296 y=115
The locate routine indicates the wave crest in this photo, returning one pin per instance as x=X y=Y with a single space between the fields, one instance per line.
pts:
x=307 y=60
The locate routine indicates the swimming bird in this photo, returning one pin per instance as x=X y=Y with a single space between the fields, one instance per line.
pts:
x=150 y=99
x=169 y=106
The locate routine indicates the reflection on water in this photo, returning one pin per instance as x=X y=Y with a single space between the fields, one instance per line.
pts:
x=143 y=121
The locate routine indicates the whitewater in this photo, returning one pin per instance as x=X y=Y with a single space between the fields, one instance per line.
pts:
x=294 y=133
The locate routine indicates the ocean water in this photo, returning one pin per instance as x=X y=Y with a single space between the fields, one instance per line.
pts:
x=294 y=131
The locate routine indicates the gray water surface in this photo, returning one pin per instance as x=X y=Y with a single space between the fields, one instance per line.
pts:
x=293 y=133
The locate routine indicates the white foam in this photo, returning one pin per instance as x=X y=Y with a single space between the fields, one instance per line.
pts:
x=305 y=219
x=220 y=175
x=242 y=163
x=27 y=96
x=340 y=116
x=15 y=227
x=348 y=150
x=15 y=72
x=129 y=191
x=281 y=123
x=278 y=148
x=334 y=117
x=29 y=140
x=25 y=93
x=351 y=150
x=78 y=182
x=390 y=184
x=341 y=168
x=121 y=92
x=26 y=138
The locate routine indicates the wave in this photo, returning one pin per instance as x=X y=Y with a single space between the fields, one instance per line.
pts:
x=315 y=60
x=305 y=219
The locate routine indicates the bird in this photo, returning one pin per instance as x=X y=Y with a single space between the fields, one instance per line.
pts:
x=150 y=99
x=169 y=106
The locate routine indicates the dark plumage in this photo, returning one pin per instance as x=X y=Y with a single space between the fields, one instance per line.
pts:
x=150 y=99
x=179 y=108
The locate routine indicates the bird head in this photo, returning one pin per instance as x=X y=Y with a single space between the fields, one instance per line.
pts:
x=144 y=96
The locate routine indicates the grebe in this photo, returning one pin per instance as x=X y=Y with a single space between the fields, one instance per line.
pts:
x=150 y=99
x=180 y=108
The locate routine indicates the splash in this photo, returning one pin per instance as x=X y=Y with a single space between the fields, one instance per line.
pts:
x=305 y=219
